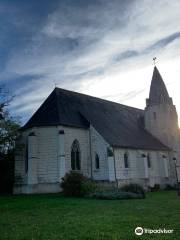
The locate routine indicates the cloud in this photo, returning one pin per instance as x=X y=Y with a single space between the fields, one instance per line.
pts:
x=125 y=55
x=164 y=41
x=103 y=48
x=121 y=97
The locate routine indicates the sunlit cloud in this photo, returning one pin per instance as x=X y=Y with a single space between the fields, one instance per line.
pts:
x=102 y=48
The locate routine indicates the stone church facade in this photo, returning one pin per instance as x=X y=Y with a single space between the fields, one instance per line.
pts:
x=106 y=141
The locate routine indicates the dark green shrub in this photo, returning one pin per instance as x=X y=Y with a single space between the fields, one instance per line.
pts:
x=88 y=186
x=155 y=188
x=169 y=187
x=133 y=188
x=72 y=184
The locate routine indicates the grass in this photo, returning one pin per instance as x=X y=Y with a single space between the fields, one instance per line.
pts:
x=53 y=217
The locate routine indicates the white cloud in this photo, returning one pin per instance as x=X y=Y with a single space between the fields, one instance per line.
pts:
x=102 y=34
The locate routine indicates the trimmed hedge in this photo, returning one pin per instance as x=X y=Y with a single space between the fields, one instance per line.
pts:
x=114 y=195
x=134 y=188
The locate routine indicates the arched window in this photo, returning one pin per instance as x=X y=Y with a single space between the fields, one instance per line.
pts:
x=126 y=160
x=97 y=161
x=148 y=160
x=75 y=156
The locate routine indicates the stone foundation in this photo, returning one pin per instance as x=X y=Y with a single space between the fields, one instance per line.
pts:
x=55 y=187
x=146 y=183
x=37 y=188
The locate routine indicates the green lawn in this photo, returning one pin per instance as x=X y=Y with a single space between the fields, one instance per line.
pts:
x=55 y=217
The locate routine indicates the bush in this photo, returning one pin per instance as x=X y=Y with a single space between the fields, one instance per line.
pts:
x=75 y=184
x=134 y=188
x=88 y=186
x=72 y=184
x=169 y=187
x=113 y=195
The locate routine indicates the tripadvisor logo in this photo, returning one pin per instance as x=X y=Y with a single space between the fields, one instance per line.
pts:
x=139 y=231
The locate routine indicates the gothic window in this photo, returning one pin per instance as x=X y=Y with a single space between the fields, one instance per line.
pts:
x=97 y=161
x=148 y=160
x=126 y=160
x=75 y=156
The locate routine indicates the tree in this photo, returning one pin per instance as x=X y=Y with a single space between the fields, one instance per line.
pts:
x=9 y=126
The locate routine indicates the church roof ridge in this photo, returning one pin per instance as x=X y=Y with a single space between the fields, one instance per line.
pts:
x=98 y=98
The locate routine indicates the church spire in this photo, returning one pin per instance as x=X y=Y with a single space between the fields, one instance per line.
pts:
x=158 y=92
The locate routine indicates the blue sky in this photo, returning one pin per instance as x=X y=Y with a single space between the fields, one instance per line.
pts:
x=99 y=47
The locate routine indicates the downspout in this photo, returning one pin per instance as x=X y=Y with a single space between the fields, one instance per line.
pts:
x=115 y=169
x=90 y=146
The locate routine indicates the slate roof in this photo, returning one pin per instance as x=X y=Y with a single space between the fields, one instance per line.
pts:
x=120 y=125
x=158 y=92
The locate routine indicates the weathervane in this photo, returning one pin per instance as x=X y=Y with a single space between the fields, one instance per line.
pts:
x=154 y=60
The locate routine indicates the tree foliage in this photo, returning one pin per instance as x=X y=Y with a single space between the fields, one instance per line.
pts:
x=9 y=126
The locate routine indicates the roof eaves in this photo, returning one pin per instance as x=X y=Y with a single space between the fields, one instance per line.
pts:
x=141 y=148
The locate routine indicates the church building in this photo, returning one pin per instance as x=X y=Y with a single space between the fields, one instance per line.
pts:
x=104 y=140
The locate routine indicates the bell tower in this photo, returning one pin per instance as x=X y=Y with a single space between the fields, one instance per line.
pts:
x=160 y=114
x=161 y=118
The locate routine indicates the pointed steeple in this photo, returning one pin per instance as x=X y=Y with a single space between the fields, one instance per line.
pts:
x=158 y=93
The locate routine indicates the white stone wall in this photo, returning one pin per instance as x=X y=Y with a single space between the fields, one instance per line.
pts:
x=138 y=171
x=165 y=125
x=47 y=154
x=32 y=159
x=47 y=149
x=165 y=128
x=99 y=146
x=45 y=165
x=20 y=174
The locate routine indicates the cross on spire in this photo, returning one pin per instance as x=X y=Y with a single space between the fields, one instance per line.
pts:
x=154 y=60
